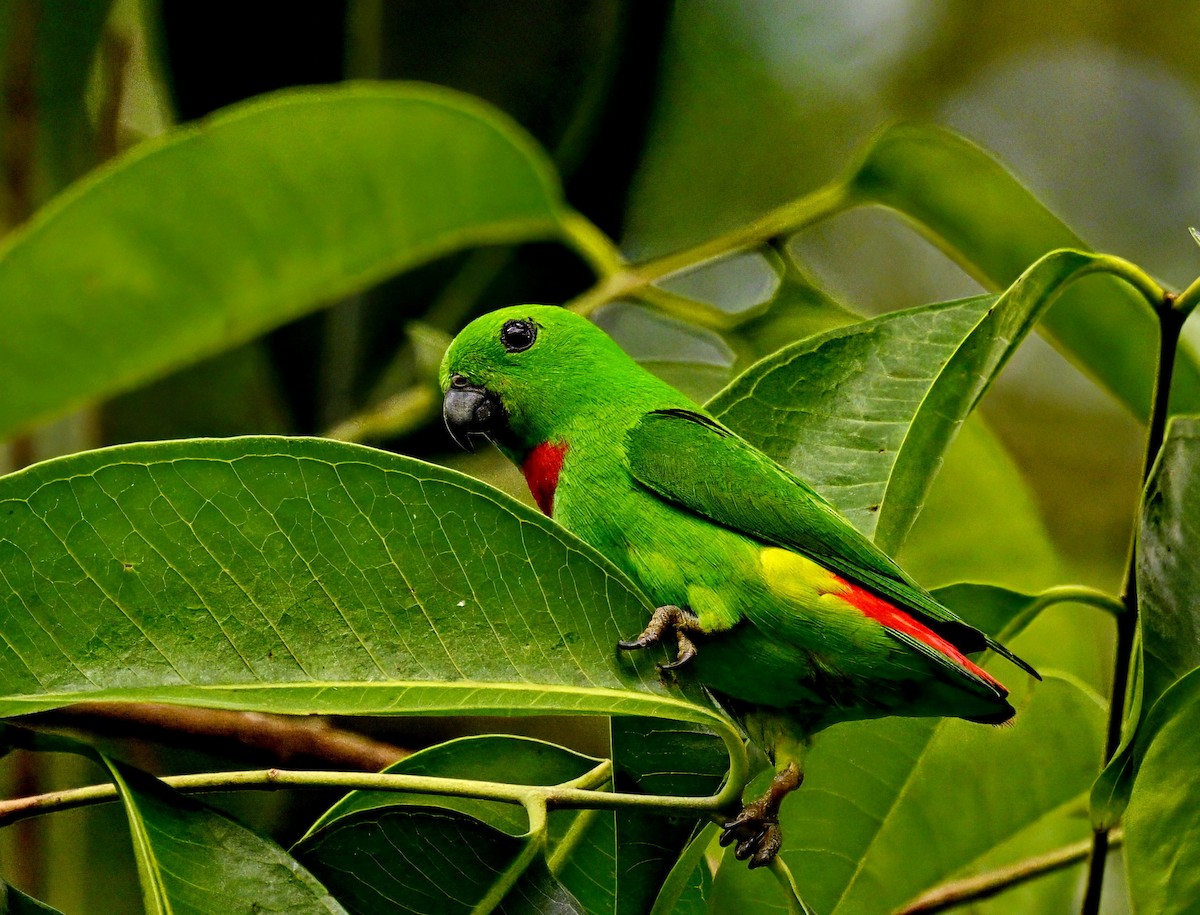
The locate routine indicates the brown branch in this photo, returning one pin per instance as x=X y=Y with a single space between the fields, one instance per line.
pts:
x=285 y=737
x=984 y=886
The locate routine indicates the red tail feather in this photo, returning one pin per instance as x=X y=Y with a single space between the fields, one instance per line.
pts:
x=896 y=619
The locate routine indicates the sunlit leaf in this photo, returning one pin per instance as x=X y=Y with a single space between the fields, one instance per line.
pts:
x=300 y=575
x=982 y=216
x=835 y=408
x=224 y=229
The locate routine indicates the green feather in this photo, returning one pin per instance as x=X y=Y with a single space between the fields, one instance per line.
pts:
x=698 y=464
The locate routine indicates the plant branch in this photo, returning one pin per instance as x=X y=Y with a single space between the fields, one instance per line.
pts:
x=984 y=886
x=619 y=280
x=1079 y=594
x=569 y=795
x=1171 y=318
x=286 y=737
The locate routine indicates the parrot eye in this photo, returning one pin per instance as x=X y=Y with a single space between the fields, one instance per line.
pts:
x=518 y=336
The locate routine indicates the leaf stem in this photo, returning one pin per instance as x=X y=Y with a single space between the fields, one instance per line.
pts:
x=1079 y=594
x=1171 y=318
x=619 y=279
x=984 y=886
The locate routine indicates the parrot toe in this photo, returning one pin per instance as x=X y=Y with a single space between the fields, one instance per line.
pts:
x=756 y=827
x=758 y=836
x=666 y=620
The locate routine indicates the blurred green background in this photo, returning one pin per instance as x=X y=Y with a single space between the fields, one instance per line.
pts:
x=670 y=124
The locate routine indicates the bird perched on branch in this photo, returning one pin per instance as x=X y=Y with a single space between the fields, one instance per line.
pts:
x=777 y=604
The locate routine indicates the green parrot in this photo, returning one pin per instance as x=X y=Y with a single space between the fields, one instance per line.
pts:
x=785 y=612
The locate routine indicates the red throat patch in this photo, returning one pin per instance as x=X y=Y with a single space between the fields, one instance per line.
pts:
x=896 y=619
x=541 y=468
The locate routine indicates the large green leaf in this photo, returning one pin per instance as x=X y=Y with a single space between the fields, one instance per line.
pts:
x=192 y=244
x=903 y=383
x=1162 y=817
x=836 y=408
x=1168 y=561
x=1168 y=571
x=302 y=575
x=190 y=857
x=980 y=215
x=418 y=860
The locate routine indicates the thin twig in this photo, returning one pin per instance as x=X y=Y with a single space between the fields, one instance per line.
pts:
x=984 y=886
x=578 y=794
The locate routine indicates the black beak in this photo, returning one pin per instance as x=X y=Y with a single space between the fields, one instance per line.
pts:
x=469 y=410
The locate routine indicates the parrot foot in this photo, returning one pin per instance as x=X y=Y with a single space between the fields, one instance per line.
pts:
x=756 y=828
x=667 y=620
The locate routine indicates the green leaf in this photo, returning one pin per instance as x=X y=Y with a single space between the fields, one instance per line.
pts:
x=980 y=215
x=1163 y=861
x=190 y=857
x=264 y=212
x=688 y=886
x=193 y=859
x=303 y=575
x=1168 y=563
x=621 y=862
x=416 y=859
x=14 y=902
x=917 y=801
x=835 y=408
x=938 y=362
x=1168 y=572
x=488 y=758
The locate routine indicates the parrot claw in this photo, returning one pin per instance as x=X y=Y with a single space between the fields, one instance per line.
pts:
x=756 y=828
x=666 y=620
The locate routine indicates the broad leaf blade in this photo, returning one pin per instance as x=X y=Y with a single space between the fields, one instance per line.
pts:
x=303 y=575
x=190 y=857
x=193 y=859
x=249 y=219
x=835 y=408
x=904 y=383
x=1168 y=561
x=976 y=211
x=428 y=860
x=1164 y=864
x=1168 y=570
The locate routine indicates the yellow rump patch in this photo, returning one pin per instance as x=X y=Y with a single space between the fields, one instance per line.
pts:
x=796 y=577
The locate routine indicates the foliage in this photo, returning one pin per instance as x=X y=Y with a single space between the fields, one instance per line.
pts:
x=308 y=576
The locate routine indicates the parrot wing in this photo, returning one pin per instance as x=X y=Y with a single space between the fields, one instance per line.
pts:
x=696 y=463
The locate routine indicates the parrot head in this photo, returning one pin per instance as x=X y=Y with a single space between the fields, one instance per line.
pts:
x=520 y=375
